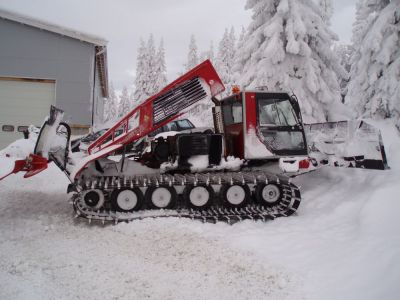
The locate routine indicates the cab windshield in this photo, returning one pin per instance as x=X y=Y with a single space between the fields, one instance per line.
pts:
x=279 y=127
x=276 y=112
x=185 y=124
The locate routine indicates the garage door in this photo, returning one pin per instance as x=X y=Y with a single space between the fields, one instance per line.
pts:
x=23 y=102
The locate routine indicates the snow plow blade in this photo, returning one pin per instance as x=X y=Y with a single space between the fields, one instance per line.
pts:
x=32 y=165
x=354 y=144
x=49 y=147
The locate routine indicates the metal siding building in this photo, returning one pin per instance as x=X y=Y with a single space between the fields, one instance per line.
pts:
x=43 y=64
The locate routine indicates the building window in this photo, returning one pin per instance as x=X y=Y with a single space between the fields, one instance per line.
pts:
x=22 y=128
x=7 y=128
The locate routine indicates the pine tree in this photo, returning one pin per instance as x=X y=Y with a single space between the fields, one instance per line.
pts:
x=141 y=79
x=288 y=47
x=192 y=58
x=160 y=69
x=237 y=61
x=326 y=10
x=111 y=105
x=151 y=67
x=125 y=104
x=209 y=54
x=225 y=59
x=374 y=87
x=366 y=13
x=344 y=53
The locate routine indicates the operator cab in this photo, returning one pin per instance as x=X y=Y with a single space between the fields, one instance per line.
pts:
x=262 y=125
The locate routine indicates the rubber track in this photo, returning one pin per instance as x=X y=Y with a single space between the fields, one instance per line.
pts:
x=287 y=206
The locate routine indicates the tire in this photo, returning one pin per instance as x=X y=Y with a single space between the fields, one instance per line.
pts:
x=93 y=199
x=268 y=194
x=235 y=195
x=199 y=196
x=127 y=199
x=162 y=197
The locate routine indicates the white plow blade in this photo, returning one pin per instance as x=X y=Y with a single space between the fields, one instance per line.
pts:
x=346 y=143
x=53 y=139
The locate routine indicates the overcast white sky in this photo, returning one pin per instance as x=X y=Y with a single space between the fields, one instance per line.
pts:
x=124 y=22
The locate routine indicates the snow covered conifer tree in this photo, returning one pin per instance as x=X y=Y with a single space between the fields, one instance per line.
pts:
x=327 y=10
x=111 y=105
x=288 y=47
x=225 y=59
x=211 y=55
x=151 y=67
x=192 y=58
x=125 y=104
x=344 y=53
x=237 y=61
x=141 y=80
x=160 y=69
x=374 y=87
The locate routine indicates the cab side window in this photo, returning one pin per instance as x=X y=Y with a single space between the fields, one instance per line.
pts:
x=233 y=112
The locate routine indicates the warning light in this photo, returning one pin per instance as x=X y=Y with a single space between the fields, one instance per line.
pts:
x=235 y=89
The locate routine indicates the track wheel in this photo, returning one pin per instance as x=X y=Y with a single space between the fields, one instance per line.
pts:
x=235 y=195
x=161 y=197
x=93 y=199
x=268 y=194
x=199 y=196
x=127 y=199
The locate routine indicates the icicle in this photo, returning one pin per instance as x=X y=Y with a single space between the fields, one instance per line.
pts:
x=131 y=183
x=119 y=183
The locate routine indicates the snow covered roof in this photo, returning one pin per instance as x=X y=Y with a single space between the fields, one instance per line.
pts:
x=100 y=43
x=16 y=17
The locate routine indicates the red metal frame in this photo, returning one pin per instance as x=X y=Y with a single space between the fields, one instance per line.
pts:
x=205 y=71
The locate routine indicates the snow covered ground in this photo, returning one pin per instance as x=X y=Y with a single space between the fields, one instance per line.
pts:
x=342 y=244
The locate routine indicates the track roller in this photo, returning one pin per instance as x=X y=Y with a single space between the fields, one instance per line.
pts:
x=161 y=197
x=268 y=194
x=235 y=195
x=93 y=199
x=199 y=196
x=127 y=199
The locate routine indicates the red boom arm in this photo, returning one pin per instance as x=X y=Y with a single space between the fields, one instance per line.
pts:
x=163 y=107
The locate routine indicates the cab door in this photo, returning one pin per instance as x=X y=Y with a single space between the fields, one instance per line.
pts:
x=232 y=111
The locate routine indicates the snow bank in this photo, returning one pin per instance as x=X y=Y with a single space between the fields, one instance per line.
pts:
x=6 y=166
x=19 y=149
